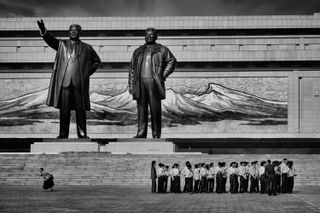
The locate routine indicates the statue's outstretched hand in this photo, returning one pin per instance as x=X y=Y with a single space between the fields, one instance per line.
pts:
x=41 y=26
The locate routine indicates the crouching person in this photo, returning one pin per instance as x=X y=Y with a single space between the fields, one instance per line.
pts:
x=48 y=182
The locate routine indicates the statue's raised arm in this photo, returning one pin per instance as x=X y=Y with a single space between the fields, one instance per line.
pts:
x=47 y=37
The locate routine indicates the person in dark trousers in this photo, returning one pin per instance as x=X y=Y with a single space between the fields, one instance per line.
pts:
x=254 y=177
x=161 y=176
x=234 y=184
x=171 y=179
x=262 y=177
x=284 y=174
x=48 y=182
x=166 y=177
x=188 y=174
x=277 y=169
x=210 y=178
x=203 y=176
x=290 y=178
x=151 y=64
x=224 y=176
x=153 y=177
x=243 y=173
x=176 y=178
x=196 y=177
x=74 y=63
x=247 y=173
x=219 y=178
x=271 y=175
x=207 y=166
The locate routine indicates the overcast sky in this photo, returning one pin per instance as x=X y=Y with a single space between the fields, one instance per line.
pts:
x=43 y=8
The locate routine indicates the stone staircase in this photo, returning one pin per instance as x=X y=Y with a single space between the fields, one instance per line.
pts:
x=108 y=169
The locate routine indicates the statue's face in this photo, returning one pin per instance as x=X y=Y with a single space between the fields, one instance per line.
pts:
x=150 y=37
x=74 y=32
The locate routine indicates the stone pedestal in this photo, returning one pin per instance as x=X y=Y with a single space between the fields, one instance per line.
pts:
x=139 y=146
x=55 y=146
x=121 y=146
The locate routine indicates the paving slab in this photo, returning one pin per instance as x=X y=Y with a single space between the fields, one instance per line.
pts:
x=139 y=199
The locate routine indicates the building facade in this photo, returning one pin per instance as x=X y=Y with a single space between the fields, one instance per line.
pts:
x=237 y=76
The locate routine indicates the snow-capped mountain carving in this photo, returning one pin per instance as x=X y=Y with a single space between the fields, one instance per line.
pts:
x=211 y=103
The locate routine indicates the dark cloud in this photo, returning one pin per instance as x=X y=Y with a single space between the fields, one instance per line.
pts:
x=14 y=10
x=33 y=8
x=274 y=7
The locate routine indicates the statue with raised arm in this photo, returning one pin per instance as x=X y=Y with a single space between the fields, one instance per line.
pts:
x=74 y=63
x=151 y=64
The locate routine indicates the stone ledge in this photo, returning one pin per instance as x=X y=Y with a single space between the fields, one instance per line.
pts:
x=66 y=140
x=145 y=140
x=59 y=147
x=146 y=146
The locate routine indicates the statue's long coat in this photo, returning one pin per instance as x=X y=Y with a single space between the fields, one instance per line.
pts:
x=88 y=63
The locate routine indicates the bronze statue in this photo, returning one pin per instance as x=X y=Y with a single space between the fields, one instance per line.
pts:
x=69 y=84
x=151 y=64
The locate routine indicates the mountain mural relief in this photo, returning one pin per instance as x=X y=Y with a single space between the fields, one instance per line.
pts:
x=210 y=103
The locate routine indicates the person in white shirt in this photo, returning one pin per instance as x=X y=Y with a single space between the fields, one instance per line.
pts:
x=219 y=178
x=203 y=176
x=210 y=178
x=224 y=176
x=166 y=176
x=284 y=174
x=247 y=169
x=176 y=178
x=262 y=177
x=243 y=173
x=171 y=179
x=188 y=174
x=48 y=182
x=233 y=177
x=290 y=178
x=196 y=177
x=161 y=177
x=254 y=177
x=277 y=169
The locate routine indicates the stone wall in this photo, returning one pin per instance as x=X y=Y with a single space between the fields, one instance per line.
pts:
x=107 y=169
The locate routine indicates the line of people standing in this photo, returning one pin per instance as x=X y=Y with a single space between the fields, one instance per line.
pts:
x=270 y=177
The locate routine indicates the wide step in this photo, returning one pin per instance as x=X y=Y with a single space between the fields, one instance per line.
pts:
x=104 y=168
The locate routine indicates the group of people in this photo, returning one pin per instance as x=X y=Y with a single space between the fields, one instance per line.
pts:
x=270 y=177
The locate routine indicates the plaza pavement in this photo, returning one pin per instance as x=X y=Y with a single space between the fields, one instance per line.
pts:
x=124 y=199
